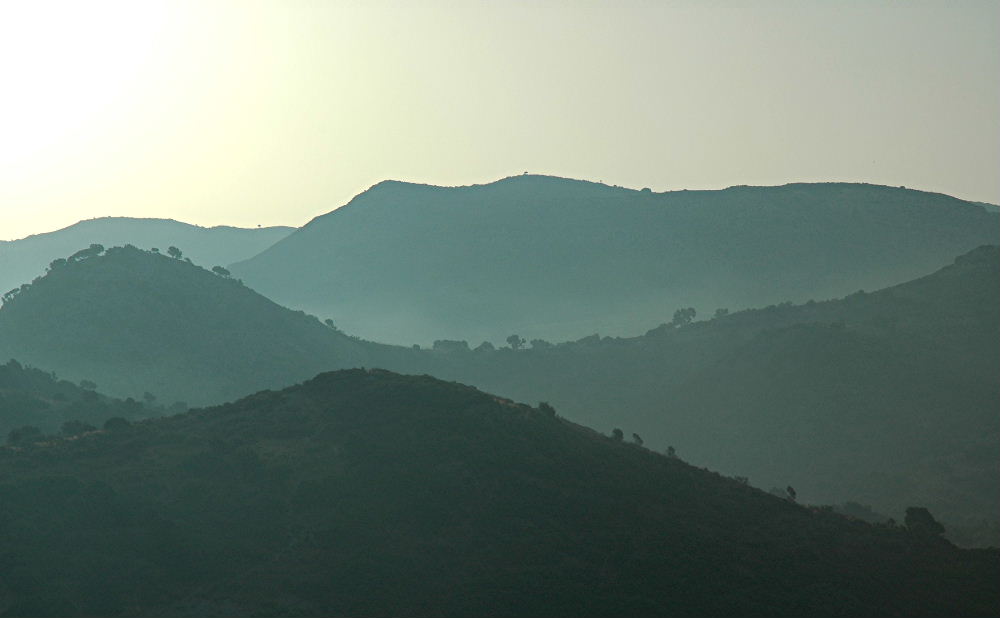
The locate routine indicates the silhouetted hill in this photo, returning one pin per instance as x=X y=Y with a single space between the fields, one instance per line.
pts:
x=134 y=321
x=36 y=404
x=366 y=493
x=889 y=398
x=558 y=259
x=23 y=260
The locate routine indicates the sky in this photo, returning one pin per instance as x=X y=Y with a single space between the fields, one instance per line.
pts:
x=270 y=113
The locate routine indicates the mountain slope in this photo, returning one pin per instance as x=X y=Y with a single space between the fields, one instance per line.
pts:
x=34 y=400
x=559 y=259
x=369 y=493
x=887 y=397
x=133 y=321
x=24 y=259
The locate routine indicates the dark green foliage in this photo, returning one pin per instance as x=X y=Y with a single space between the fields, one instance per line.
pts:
x=861 y=511
x=683 y=316
x=116 y=423
x=74 y=428
x=369 y=493
x=83 y=254
x=35 y=398
x=444 y=345
x=617 y=434
x=920 y=520
x=21 y=436
x=516 y=342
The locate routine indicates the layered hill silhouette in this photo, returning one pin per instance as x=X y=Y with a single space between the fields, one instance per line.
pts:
x=35 y=405
x=133 y=322
x=558 y=259
x=886 y=397
x=24 y=259
x=369 y=493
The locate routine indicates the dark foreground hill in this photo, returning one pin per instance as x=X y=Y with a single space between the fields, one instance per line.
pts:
x=369 y=493
x=558 y=259
x=24 y=259
x=134 y=322
x=888 y=397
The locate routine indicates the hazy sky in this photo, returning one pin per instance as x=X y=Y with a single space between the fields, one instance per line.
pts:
x=250 y=113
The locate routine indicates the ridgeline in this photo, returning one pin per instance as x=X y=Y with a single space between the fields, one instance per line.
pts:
x=369 y=493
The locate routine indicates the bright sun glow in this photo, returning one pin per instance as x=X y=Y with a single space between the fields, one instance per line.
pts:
x=248 y=112
x=65 y=69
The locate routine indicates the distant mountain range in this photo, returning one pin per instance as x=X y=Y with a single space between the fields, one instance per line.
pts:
x=887 y=397
x=366 y=493
x=558 y=259
x=23 y=260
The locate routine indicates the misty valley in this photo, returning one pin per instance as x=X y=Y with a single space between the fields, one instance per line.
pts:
x=534 y=397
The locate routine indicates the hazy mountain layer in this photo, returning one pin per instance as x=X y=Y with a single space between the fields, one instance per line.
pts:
x=369 y=493
x=23 y=260
x=560 y=259
x=133 y=321
x=35 y=404
x=888 y=397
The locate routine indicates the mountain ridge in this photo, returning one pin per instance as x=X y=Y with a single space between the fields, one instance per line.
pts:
x=174 y=325
x=910 y=370
x=557 y=259
x=92 y=221
x=24 y=259
x=902 y=382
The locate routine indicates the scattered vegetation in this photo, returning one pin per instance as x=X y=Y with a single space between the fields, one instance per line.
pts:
x=370 y=493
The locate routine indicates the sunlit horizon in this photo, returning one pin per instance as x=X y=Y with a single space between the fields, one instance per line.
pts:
x=267 y=113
